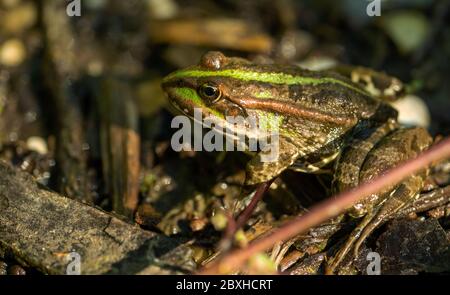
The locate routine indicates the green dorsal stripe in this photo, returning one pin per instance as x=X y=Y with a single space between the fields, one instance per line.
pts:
x=267 y=77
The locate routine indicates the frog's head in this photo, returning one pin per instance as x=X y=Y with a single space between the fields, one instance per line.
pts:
x=313 y=107
x=221 y=87
x=204 y=86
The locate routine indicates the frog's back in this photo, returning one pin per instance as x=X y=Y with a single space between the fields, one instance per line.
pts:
x=326 y=91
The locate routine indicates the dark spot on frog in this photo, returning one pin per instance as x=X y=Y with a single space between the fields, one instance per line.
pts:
x=296 y=91
x=381 y=82
x=363 y=82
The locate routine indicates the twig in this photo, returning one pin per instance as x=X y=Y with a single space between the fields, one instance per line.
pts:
x=426 y=201
x=247 y=212
x=227 y=240
x=329 y=209
x=244 y=216
x=49 y=232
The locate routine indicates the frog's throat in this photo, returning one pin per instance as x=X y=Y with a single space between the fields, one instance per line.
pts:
x=267 y=77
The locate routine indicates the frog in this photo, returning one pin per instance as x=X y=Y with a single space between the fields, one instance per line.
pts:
x=323 y=119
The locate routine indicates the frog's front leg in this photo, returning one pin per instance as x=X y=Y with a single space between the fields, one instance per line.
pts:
x=397 y=147
x=351 y=160
x=261 y=170
x=268 y=164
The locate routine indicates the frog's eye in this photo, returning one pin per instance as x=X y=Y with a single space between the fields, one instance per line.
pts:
x=210 y=92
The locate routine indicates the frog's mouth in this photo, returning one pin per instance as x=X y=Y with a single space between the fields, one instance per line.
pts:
x=239 y=133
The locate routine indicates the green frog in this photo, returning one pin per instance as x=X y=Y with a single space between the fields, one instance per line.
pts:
x=323 y=119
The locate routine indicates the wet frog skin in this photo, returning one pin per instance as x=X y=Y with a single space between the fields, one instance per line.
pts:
x=323 y=117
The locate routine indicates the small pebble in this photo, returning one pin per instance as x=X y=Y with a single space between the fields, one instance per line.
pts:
x=12 y=52
x=18 y=18
x=37 y=144
x=3 y=268
x=162 y=9
x=198 y=224
x=219 y=221
x=412 y=111
x=16 y=270
x=318 y=63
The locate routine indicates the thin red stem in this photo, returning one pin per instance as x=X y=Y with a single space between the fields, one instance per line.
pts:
x=247 y=212
x=329 y=209
x=244 y=216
